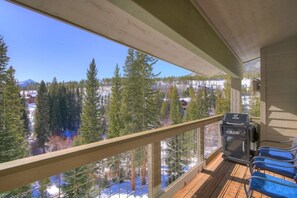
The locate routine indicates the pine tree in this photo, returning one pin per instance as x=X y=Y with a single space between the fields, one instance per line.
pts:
x=175 y=145
x=169 y=93
x=78 y=108
x=63 y=106
x=43 y=187
x=139 y=110
x=13 y=145
x=90 y=131
x=244 y=93
x=193 y=112
x=25 y=117
x=223 y=98
x=54 y=108
x=70 y=102
x=204 y=103
x=212 y=99
x=164 y=109
x=3 y=64
x=77 y=181
x=115 y=122
x=12 y=129
x=91 y=127
x=41 y=117
x=12 y=139
x=176 y=111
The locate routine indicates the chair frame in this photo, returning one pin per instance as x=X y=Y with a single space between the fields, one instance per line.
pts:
x=249 y=192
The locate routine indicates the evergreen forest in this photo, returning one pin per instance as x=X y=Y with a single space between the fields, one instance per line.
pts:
x=68 y=114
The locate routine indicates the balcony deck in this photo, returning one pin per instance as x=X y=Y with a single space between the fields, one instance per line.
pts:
x=219 y=179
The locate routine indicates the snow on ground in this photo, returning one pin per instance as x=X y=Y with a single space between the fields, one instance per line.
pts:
x=246 y=82
x=30 y=113
x=31 y=108
x=124 y=189
x=53 y=190
x=115 y=189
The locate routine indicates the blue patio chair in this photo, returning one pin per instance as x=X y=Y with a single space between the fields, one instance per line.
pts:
x=279 y=153
x=286 y=168
x=270 y=186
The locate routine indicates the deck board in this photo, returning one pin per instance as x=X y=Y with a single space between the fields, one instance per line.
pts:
x=219 y=179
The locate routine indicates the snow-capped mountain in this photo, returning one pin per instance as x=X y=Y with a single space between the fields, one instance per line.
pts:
x=25 y=83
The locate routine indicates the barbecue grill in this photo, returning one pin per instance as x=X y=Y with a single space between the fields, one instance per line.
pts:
x=239 y=138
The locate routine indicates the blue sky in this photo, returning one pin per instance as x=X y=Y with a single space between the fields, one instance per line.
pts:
x=42 y=48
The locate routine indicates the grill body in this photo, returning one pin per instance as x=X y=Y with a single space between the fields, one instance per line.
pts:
x=239 y=137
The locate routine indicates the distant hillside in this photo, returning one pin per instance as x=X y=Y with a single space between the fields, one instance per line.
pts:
x=26 y=83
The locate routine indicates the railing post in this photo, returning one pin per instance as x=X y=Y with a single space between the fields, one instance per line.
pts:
x=154 y=171
x=235 y=95
x=201 y=143
x=219 y=134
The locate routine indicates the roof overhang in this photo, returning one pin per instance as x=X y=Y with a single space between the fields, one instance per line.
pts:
x=249 y=25
x=171 y=30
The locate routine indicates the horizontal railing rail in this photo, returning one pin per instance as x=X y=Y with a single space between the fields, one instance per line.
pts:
x=24 y=171
x=256 y=120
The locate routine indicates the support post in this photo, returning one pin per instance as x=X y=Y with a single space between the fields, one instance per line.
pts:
x=154 y=172
x=235 y=95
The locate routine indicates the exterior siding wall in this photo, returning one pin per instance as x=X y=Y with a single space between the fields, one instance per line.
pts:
x=279 y=90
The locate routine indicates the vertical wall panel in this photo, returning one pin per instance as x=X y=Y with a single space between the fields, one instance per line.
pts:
x=279 y=90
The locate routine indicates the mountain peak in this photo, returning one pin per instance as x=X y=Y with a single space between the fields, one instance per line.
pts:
x=25 y=83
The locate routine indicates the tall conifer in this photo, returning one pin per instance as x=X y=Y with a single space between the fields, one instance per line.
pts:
x=12 y=139
x=54 y=108
x=139 y=107
x=193 y=106
x=12 y=136
x=90 y=131
x=41 y=117
x=223 y=98
x=176 y=111
x=12 y=145
x=115 y=122
x=25 y=117
x=63 y=105
x=3 y=64
x=91 y=126
x=175 y=145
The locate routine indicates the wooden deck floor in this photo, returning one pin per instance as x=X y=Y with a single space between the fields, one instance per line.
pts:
x=219 y=179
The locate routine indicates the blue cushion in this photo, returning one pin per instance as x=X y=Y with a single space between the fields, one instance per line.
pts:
x=282 y=155
x=272 y=189
x=275 y=166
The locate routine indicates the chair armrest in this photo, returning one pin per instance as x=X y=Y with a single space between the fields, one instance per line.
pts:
x=279 y=165
x=288 y=161
x=293 y=185
x=274 y=148
x=280 y=142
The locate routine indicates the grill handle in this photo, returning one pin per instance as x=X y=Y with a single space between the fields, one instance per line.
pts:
x=237 y=124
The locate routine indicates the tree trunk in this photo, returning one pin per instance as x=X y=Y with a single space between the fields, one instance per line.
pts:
x=117 y=168
x=143 y=172
x=132 y=171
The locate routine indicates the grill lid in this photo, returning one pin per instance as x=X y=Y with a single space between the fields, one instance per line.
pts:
x=236 y=119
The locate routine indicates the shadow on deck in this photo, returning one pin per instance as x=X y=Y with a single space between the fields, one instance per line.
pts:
x=219 y=179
